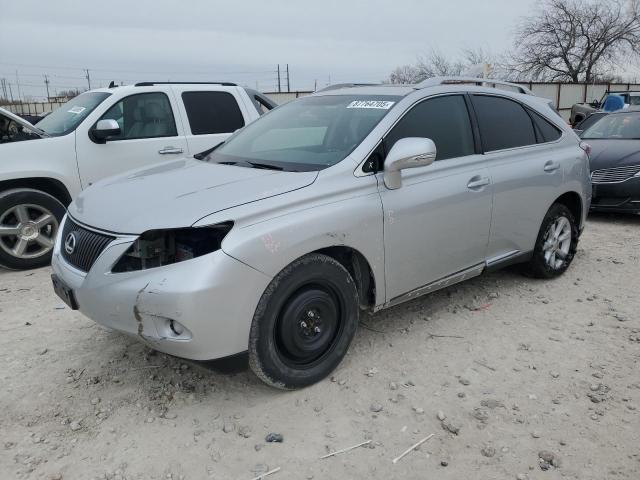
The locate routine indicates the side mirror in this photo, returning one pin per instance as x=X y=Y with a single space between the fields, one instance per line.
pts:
x=105 y=129
x=407 y=153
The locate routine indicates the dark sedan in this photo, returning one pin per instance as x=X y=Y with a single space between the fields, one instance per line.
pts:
x=615 y=162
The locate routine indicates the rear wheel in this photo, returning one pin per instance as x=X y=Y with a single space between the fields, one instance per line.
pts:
x=304 y=323
x=29 y=221
x=556 y=243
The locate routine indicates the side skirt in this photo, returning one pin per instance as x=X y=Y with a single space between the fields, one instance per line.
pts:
x=490 y=265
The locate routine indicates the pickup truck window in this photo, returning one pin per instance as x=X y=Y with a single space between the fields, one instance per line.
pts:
x=212 y=112
x=66 y=118
x=144 y=115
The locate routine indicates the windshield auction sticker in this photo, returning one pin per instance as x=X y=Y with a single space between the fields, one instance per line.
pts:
x=77 y=110
x=379 y=104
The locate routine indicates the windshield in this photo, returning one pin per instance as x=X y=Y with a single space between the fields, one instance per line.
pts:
x=65 y=119
x=623 y=126
x=308 y=134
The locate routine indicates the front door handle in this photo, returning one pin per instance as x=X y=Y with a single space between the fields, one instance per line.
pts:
x=477 y=182
x=551 y=166
x=170 y=151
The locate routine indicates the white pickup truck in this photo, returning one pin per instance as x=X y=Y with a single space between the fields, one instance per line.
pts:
x=100 y=133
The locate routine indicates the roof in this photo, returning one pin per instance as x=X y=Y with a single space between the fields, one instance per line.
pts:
x=406 y=89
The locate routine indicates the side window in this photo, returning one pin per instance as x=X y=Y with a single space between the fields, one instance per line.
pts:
x=546 y=131
x=144 y=115
x=503 y=123
x=445 y=120
x=212 y=112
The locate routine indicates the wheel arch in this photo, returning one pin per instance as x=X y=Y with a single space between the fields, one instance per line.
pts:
x=51 y=186
x=573 y=201
x=360 y=270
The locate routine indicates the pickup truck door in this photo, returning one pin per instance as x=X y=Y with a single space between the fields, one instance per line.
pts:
x=212 y=113
x=150 y=133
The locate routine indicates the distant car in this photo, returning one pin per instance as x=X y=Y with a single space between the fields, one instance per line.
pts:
x=580 y=111
x=589 y=121
x=100 y=133
x=352 y=198
x=615 y=162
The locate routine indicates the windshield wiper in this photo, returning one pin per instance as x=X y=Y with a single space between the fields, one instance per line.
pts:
x=266 y=166
x=203 y=155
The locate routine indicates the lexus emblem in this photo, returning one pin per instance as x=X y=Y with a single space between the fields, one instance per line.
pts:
x=70 y=243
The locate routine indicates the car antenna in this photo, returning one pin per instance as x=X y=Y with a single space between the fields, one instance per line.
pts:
x=112 y=84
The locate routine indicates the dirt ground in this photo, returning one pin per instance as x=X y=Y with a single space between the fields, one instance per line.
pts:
x=518 y=369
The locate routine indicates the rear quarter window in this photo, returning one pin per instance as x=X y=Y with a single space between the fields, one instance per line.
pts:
x=545 y=130
x=503 y=123
x=212 y=112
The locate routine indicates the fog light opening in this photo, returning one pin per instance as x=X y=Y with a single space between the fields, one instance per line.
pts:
x=176 y=327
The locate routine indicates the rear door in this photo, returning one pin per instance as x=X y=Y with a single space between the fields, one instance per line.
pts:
x=210 y=114
x=526 y=171
x=149 y=134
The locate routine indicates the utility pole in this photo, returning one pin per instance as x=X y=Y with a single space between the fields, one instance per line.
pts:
x=279 y=88
x=10 y=92
x=288 y=84
x=88 y=77
x=18 y=84
x=46 y=82
x=3 y=82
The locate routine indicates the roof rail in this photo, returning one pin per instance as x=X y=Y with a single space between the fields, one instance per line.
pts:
x=435 y=81
x=337 y=86
x=150 y=84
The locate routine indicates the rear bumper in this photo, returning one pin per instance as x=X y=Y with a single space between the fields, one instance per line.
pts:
x=617 y=197
x=213 y=297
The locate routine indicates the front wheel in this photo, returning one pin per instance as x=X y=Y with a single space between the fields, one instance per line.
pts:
x=556 y=243
x=304 y=323
x=29 y=221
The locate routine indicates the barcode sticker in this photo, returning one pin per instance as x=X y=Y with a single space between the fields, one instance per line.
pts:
x=379 y=104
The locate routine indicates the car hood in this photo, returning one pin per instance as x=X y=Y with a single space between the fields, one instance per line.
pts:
x=177 y=194
x=613 y=153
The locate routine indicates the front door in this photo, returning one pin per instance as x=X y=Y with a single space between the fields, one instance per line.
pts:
x=437 y=223
x=149 y=134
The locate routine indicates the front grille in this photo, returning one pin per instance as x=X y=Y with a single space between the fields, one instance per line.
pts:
x=614 y=175
x=88 y=245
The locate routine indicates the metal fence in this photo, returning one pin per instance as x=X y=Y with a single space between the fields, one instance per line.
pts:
x=562 y=95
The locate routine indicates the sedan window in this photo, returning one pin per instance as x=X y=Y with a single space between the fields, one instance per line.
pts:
x=621 y=126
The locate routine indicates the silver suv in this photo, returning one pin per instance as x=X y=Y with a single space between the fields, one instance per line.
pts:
x=350 y=199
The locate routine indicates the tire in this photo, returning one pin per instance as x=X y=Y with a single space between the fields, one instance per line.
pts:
x=552 y=256
x=29 y=221
x=286 y=350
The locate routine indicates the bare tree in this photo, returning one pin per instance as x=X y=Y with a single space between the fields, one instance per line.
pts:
x=435 y=64
x=576 y=40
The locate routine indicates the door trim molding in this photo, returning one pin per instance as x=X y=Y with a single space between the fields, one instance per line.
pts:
x=444 y=282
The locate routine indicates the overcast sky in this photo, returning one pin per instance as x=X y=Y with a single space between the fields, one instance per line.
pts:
x=240 y=40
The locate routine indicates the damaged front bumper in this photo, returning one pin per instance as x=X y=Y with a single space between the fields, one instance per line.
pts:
x=200 y=309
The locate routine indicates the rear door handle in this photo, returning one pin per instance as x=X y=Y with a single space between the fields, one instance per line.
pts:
x=477 y=182
x=170 y=151
x=551 y=166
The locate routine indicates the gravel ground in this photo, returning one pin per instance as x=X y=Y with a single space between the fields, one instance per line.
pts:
x=516 y=378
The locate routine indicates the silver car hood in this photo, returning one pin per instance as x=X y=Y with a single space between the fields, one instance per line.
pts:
x=177 y=194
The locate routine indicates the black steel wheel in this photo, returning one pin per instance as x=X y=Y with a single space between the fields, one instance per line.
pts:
x=304 y=323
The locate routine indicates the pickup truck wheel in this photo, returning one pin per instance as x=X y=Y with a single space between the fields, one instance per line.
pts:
x=556 y=244
x=304 y=323
x=29 y=221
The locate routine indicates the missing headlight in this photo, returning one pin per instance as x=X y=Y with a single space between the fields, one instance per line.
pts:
x=157 y=248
